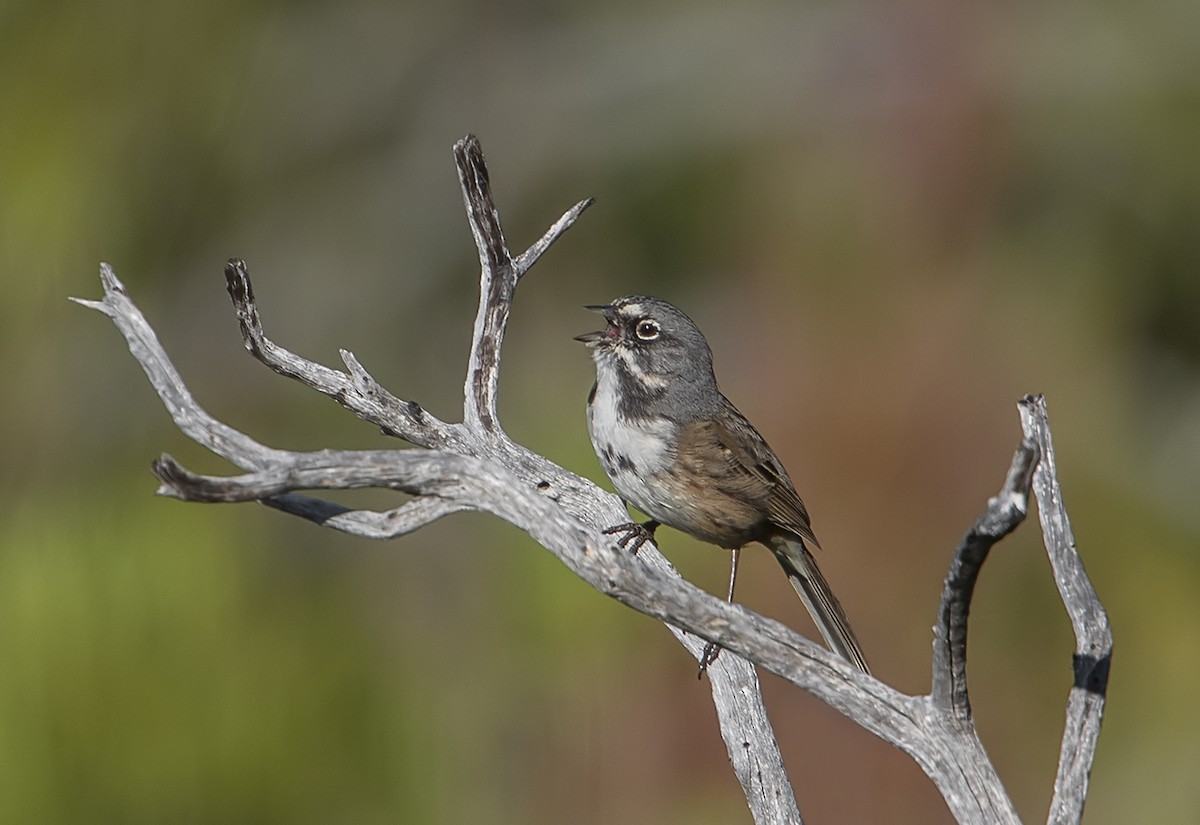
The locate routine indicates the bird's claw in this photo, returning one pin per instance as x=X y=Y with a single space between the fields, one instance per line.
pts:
x=631 y=535
x=711 y=651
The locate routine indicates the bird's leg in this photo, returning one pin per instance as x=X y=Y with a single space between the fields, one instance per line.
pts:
x=712 y=650
x=633 y=535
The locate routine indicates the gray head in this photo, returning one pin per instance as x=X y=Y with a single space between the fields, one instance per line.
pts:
x=656 y=351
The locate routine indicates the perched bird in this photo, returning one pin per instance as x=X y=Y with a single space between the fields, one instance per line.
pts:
x=679 y=451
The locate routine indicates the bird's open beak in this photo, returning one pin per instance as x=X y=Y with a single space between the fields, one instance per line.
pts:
x=593 y=338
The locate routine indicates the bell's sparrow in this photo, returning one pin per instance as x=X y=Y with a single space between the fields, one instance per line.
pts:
x=679 y=451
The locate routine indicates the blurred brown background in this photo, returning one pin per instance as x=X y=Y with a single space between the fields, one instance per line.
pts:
x=891 y=220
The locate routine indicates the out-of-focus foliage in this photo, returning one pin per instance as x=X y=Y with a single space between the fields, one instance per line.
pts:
x=892 y=220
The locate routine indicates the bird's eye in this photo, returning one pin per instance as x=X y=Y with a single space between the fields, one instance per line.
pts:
x=648 y=329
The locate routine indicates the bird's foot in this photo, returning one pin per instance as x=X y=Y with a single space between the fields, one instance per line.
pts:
x=711 y=651
x=633 y=535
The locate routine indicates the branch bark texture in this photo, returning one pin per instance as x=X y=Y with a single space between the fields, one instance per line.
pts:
x=1089 y=620
x=474 y=465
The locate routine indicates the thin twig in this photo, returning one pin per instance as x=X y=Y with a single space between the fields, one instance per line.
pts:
x=389 y=524
x=1005 y=511
x=357 y=391
x=192 y=420
x=530 y=256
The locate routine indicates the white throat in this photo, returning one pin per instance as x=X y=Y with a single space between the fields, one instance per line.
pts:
x=619 y=442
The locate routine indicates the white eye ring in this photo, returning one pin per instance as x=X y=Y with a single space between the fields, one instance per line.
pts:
x=647 y=329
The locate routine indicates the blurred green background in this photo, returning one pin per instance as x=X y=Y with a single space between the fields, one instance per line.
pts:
x=891 y=219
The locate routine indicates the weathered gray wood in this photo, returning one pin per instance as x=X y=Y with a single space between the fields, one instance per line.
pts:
x=1093 y=634
x=1005 y=511
x=475 y=465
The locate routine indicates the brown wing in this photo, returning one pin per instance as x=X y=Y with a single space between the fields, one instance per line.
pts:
x=758 y=471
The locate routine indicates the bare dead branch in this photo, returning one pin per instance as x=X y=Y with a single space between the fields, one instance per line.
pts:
x=1005 y=511
x=741 y=714
x=408 y=517
x=474 y=465
x=189 y=417
x=356 y=391
x=498 y=280
x=1093 y=633
x=530 y=256
x=323 y=470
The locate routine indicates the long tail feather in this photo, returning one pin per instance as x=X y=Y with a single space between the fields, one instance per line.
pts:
x=814 y=591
